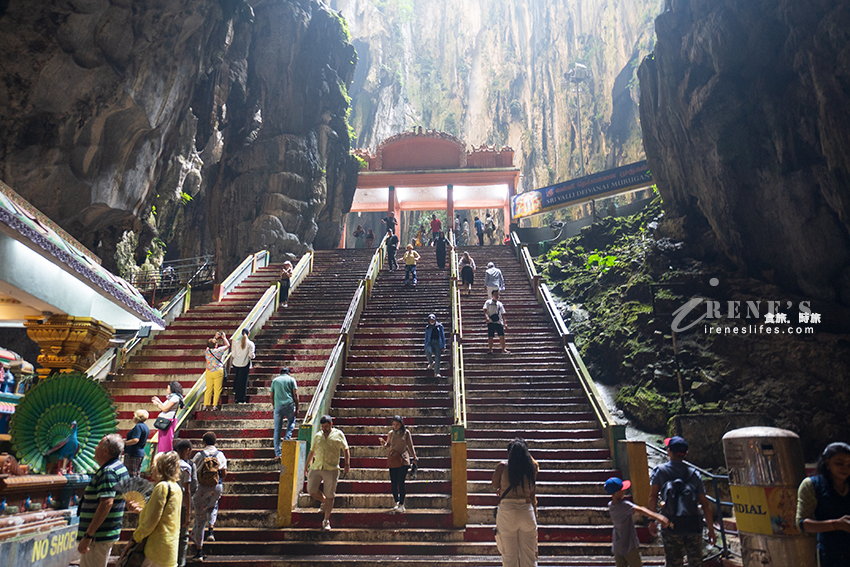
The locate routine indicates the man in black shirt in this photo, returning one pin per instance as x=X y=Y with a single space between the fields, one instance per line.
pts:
x=392 y=248
x=390 y=221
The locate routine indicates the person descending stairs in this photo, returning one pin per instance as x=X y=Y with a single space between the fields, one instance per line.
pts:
x=530 y=393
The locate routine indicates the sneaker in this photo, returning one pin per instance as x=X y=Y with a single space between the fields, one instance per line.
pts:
x=210 y=535
x=394 y=509
x=437 y=375
x=400 y=509
x=199 y=556
x=326 y=525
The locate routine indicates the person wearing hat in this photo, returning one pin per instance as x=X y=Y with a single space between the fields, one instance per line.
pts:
x=411 y=256
x=435 y=342
x=681 y=490
x=624 y=543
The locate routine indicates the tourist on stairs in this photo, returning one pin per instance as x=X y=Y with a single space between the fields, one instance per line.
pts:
x=390 y=221
x=102 y=510
x=436 y=227
x=494 y=313
x=479 y=231
x=490 y=229
x=441 y=245
x=214 y=375
x=516 y=516
x=359 y=236
x=370 y=238
x=242 y=353
x=467 y=271
x=823 y=505
x=159 y=520
x=435 y=342
x=493 y=279
x=464 y=235
x=211 y=465
x=134 y=444
x=285 y=277
x=168 y=411
x=457 y=229
x=285 y=406
x=400 y=445
x=323 y=466
x=681 y=490
x=189 y=484
x=624 y=540
x=411 y=256
x=392 y=248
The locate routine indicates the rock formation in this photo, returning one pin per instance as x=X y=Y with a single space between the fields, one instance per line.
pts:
x=745 y=110
x=214 y=125
x=491 y=72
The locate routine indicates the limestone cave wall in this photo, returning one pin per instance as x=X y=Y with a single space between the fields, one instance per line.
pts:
x=212 y=125
x=745 y=111
x=492 y=72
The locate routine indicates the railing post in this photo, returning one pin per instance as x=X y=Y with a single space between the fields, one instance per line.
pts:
x=254 y=264
x=277 y=296
x=635 y=466
x=293 y=456
x=460 y=514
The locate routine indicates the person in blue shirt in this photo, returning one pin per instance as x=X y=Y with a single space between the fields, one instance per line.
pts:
x=435 y=342
x=479 y=231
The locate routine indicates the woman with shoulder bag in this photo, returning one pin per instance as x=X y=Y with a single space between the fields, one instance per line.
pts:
x=516 y=516
x=166 y=422
x=399 y=443
x=243 y=352
x=159 y=521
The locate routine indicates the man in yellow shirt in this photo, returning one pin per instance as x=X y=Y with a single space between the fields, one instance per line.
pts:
x=323 y=465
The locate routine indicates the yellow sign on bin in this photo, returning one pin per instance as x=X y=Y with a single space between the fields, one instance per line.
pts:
x=764 y=510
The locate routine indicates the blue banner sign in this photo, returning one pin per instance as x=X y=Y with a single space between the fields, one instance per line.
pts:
x=621 y=180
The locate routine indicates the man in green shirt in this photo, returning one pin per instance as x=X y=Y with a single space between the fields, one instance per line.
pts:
x=285 y=405
x=102 y=509
x=323 y=465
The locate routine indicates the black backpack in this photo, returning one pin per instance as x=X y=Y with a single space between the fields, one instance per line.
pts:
x=681 y=505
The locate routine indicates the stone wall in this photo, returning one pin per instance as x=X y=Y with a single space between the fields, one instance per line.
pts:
x=745 y=108
x=214 y=125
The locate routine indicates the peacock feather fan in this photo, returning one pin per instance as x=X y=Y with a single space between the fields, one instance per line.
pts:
x=135 y=489
x=43 y=426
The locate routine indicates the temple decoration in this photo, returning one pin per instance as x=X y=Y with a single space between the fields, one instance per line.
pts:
x=67 y=343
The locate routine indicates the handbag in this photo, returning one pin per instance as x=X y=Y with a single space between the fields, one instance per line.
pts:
x=133 y=555
x=223 y=365
x=162 y=423
x=394 y=460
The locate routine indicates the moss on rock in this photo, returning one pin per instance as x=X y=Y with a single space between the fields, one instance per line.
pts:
x=645 y=407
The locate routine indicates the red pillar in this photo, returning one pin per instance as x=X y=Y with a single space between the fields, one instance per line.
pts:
x=450 y=207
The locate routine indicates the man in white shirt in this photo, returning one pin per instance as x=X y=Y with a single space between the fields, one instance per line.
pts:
x=493 y=279
x=494 y=313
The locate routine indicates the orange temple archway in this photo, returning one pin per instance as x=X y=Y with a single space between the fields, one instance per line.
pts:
x=430 y=170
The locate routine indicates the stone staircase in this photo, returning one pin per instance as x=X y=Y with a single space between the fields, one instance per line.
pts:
x=533 y=393
x=300 y=336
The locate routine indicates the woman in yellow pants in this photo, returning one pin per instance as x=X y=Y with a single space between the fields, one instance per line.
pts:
x=214 y=376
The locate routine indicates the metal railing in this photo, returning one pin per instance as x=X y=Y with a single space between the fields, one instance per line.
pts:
x=458 y=377
x=254 y=321
x=114 y=358
x=611 y=429
x=724 y=550
x=248 y=266
x=326 y=388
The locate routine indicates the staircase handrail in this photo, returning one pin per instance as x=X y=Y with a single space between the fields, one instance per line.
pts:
x=302 y=269
x=554 y=313
x=248 y=266
x=332 y=372
x=114 y=358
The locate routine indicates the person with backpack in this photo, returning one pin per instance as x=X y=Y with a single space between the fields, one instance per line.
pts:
x=211 y=465
x=823 y=505
x=516 y=514
x=624 y=542
x=189 y=484
x=479 y=231
x=490 y=229
x=682 y=492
